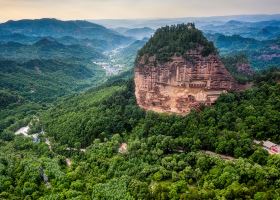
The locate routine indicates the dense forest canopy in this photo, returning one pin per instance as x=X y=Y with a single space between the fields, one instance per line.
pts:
x=176 y=39
x=262 y=54
x=165 y=157
x=232 y=64
x=119 y=113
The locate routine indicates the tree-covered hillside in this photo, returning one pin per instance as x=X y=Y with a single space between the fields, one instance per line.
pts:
x=98 y=144
x=57 y=28
x=44 y=80
x=176 y=40
x=45 y=59
x=133 y=154
x=47 y=48
x=233 y=64
x=261 y=54
x=230 y=110
x=27 y=86
x=78 y=32
x=259 y=30
x=126 y=56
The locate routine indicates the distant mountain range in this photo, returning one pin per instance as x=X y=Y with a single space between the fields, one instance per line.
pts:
x=57 y=56
x=261 y=53
x=46 y=48
x=30 y=30
x=199 y=21
x=58 y=28
x=259 y=30
x=44 y=80
x=259 y=27
x=43 y=59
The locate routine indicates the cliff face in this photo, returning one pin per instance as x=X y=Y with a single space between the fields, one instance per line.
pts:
x=181 y=84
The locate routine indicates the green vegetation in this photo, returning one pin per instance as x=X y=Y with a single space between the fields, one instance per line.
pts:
x=56 y=28
x=232 y=115
x=32 y=76
x=88 y=113
x=27 y=87
x=50 y=62
x=164 y=157
x=47 y=48
x=232 y=63
x=261 y=54
x=45 y=80
x=15 y=114
x=176 y=39
x=127 y=55
x=99 y=144
x=7 y=98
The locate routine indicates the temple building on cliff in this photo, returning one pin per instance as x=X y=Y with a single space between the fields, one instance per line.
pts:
x=181 y=84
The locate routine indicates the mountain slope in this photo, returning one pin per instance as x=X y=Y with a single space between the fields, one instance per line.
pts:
x=44 y=59
x=178 y=70
x=17 y=37
x=47 y=48
x=176 y=40
x=128 y=148
x=261 y=54
x=100 y=144
x=127 y=55
x=38 y=83
x=57 y=28
x=261 y=30
x=44 y=80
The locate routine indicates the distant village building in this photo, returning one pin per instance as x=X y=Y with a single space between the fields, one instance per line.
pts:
x=271 y=147
x=123 y=148
x=68 y=162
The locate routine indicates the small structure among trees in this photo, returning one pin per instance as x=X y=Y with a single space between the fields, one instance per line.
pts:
x=271 y=147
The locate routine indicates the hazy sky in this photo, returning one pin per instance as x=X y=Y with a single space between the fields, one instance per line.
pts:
x=116 y=9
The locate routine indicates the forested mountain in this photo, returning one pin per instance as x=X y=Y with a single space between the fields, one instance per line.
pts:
x=44 y=59
x=17 y=37
x=38 y=82
x=226 y=44
x=261 y=54
x=32 y=30
x=85 y=137
x=47 y=48
x=41 y=79
x=199 y=21
x=132 y=154
x=261 y=30
x=176 y=40
x=58 y=28
x=239 y=67
x=127 y=55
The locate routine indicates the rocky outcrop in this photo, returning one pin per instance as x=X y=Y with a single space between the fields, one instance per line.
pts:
x=181 y=84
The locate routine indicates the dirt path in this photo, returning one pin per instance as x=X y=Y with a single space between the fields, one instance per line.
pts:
x=224 y=157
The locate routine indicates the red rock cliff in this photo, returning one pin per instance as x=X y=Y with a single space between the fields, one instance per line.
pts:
x=181 y=84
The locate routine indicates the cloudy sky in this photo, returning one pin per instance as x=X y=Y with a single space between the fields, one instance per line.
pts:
x=121 y=9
